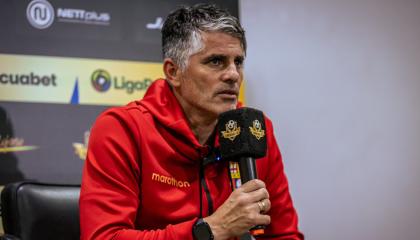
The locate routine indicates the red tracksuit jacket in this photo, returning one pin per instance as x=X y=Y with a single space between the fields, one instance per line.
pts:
x=141 y=179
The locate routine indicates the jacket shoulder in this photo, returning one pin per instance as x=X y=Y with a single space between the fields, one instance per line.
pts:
x=126 y=113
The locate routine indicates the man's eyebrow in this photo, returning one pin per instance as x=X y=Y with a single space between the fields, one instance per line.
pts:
x=240 y=57
x=222 y=56
x=216 y=56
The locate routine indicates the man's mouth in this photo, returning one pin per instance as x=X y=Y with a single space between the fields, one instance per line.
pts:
x=229 y=93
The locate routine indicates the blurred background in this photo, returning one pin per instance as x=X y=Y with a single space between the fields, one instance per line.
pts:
x=339 y=79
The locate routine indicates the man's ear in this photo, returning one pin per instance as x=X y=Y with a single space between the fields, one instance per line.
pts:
x=172 y=72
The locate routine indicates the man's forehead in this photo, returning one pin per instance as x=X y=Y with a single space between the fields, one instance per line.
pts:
x=221 y=37
x=223 y=44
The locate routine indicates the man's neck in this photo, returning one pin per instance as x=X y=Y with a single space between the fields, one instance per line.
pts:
x=202 y=129
x=202 y=123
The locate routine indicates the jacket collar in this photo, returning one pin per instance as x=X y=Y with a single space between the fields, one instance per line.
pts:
x=161 y=102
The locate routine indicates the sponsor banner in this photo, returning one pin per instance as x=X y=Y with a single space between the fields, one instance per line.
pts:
x=107 y=29
x=74 y=80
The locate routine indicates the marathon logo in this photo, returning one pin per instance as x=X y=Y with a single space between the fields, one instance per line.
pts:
x=170 y=181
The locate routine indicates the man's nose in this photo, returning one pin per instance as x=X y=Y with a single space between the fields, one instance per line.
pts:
x=232 y=73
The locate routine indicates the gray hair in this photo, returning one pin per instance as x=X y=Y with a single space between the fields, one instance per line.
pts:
x=183 y=28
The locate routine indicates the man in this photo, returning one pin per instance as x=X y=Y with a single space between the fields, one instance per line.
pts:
x=145 y=176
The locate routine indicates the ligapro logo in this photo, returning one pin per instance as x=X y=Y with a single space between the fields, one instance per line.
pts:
x=102 y=81
x=40 y=14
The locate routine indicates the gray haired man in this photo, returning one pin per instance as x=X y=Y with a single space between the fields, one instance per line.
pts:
x=148 y=175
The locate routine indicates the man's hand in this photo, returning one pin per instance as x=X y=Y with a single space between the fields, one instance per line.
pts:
x=243 y=210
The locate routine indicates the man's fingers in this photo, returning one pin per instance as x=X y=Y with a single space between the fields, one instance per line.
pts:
x=263 y=220
x=258 y=195
x=263 y=206
x=252 y=185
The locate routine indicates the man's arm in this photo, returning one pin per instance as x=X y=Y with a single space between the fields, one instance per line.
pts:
x=110 y=192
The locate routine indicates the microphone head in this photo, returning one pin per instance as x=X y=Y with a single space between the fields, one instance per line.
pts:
x=242 y=133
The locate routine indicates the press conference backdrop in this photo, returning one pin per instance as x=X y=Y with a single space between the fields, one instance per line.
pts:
x=62 y=62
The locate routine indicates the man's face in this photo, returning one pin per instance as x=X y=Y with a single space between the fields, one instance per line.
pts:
x=210 y=82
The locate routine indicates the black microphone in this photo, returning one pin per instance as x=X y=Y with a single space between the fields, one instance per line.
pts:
x=242 y=138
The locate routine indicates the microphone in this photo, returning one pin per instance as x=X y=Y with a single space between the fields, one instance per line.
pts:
x=242 y=138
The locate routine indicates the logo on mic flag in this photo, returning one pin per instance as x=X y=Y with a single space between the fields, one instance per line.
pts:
x=232 y=130
x=256 y=129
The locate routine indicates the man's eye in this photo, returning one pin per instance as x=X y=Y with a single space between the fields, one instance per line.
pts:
x=239 y=62
x=215 y=61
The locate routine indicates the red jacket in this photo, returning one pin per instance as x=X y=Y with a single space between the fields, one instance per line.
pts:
x=141 y=176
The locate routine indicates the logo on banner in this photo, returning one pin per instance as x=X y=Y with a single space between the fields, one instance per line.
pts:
x=80 y=149
x=158 y=24
x=40 y=14
x=32 y=79
x=102 y=81
x=83 y=16
x=12 y=144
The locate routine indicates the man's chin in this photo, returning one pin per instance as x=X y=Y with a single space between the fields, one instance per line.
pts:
x=226 y=108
